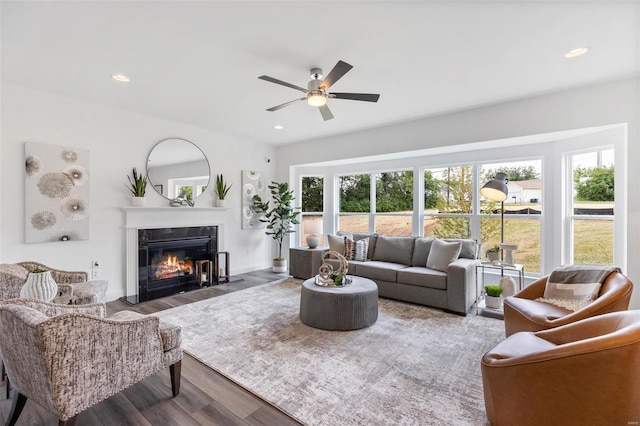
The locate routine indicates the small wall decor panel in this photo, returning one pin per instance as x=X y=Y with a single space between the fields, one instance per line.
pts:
x=252 y=184
x=56 y=198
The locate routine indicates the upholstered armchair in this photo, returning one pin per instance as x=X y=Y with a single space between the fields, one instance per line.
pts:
x=14 y=275
x=523 y=313
x=583 y=373
x=67 y=358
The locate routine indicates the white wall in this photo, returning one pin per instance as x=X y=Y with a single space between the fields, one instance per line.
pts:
x=117 y=140
x=604 y=104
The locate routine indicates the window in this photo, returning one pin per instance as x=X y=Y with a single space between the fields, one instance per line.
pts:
x=522 y=211
x=448 y=202
x=312 y=208
x=591 y=214
x=388 y=204
x=394 y=203
x=355 y=197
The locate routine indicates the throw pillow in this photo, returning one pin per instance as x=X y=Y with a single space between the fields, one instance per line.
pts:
x=336 y=243
x=349 y=245
x=442 y=254
x=360 y=249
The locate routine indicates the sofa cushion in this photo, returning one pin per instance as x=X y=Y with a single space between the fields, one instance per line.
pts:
x=375 y=270
x=394 y=249
x=469 y=249
x=361 y=249
x=421 y=251
x=357 y=236
x=336 y=242
x=423 y=277
x=442 y=253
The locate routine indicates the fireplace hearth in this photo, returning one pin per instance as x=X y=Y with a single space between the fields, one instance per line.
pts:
x=167 y=259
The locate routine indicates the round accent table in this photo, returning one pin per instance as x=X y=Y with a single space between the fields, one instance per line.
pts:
x=339 y=308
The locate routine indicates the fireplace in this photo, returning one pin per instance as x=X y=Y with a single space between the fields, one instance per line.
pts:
x=168 y=259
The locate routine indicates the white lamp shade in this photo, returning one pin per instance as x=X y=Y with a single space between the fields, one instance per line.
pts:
x=313 y=227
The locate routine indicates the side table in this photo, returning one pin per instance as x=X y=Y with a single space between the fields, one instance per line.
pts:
x=305 y=262
x=515 y=270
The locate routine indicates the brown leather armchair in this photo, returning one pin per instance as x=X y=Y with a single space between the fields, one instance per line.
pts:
x=583 y=373
x=523 y=313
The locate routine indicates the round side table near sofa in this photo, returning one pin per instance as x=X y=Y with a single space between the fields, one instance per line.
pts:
x=339 y=308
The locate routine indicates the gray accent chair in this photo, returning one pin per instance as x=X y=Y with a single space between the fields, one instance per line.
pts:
x=68 y=358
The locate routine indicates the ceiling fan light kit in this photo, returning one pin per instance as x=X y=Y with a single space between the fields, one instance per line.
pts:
x=317 y=90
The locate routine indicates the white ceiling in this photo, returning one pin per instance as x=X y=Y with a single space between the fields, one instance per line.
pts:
x=198 y=62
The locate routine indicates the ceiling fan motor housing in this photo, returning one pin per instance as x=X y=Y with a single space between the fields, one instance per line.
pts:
x=316 y=73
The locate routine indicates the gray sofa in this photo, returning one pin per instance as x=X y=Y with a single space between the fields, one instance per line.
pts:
x=398 y=266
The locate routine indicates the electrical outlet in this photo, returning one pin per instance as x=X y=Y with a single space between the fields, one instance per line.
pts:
x=94 y=274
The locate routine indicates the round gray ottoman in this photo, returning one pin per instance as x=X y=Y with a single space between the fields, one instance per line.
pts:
x=339 y=308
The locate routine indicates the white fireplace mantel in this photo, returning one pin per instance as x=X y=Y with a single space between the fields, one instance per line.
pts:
x=164 y=217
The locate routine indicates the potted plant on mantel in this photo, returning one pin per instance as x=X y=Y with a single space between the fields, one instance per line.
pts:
x=280 y=219
x=138 y=188
x=221 y=190
x=492 y=298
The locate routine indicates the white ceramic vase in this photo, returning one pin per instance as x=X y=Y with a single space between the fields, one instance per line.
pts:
x=280 y=266
x=40 y=285
x=138 y=201
x=221 y=203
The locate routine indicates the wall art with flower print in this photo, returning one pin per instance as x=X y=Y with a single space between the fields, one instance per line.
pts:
x=252 y=184
x=56 y=194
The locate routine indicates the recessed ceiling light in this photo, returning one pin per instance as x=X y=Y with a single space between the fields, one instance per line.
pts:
x=121 y=78
x=576 y=52
x=278 y=127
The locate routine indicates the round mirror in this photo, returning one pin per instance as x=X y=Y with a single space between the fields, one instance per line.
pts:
x=178 y=169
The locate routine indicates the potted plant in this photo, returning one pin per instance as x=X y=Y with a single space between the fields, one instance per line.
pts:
x=493 y=253
x=138 y=187
x=279 y=219
x=221 y=190
x=492 y=298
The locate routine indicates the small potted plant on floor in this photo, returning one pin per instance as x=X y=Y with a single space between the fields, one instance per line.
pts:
x=279 y=219
x=492 y=298
x=221 y=190
x=138 y=187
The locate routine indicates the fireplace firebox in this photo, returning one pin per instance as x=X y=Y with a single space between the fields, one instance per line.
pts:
x=167 y=260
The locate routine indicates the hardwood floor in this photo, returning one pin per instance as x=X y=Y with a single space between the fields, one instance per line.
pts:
x=206 y=397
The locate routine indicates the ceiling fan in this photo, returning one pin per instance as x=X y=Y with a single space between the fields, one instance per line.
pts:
x=317 y=90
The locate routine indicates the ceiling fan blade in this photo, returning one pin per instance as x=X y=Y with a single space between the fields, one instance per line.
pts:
x=282 y=83
x=277 y=107
x=326 y=112
x=335 y=74
x=367 y=97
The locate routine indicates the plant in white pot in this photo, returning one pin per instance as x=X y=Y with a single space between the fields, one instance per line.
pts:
x=221 y=190
x=493 y=253
x=279 y=219
x=492 y=297
x=138 y=187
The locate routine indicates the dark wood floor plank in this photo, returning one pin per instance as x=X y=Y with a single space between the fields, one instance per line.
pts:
x=206 y=397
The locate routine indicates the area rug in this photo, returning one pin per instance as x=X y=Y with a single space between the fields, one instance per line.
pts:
x=414 y=366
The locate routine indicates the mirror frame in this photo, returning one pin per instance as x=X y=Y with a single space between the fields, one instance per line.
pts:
x=156 y=146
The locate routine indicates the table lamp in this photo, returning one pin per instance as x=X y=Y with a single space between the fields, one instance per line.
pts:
x=312 y=228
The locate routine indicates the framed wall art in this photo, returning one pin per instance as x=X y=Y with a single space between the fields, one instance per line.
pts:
x=56 y=198
x=252 y=184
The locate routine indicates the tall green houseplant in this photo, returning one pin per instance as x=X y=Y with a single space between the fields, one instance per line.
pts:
x=281 y=217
